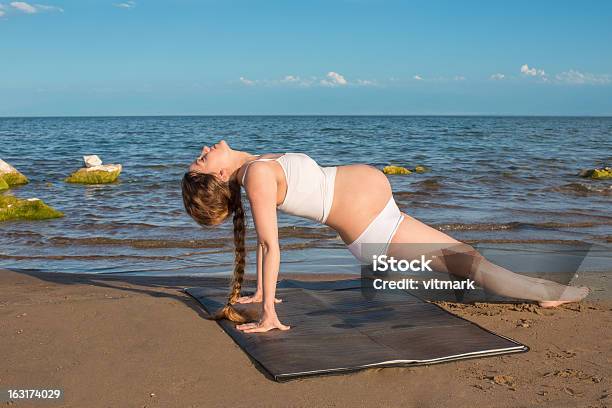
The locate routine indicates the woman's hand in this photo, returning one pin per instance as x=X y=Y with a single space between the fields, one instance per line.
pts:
x=265 y=324
x=257 y=297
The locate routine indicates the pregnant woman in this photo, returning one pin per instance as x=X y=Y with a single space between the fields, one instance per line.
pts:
x=355 y=200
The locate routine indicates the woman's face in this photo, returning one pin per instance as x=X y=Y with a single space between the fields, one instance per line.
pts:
x=212 y=160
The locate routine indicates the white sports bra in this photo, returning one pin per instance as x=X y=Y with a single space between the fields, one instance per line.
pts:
x=310 y=187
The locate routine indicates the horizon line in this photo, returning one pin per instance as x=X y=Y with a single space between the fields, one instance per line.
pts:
x=314 y=115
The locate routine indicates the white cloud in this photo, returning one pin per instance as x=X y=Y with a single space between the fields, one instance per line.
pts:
x=286 y=80
x=331 y=79
x=247 y=81
x=295 y=80
x=418 y=77
x=290 y=79
x=2 y=13
x=459 y=78
x=497 y=77
x=337 y=78
x=528 y=71
x=334 y=79
x=366 y=82
x=27 y=8
x=24 y=7
x=578 y=78
x=126 y=5
x=45 y=7
x=534 y=72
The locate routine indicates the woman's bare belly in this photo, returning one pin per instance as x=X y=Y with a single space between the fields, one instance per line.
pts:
x=360 y=194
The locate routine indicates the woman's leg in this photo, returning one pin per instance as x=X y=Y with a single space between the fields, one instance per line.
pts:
x=414 y=238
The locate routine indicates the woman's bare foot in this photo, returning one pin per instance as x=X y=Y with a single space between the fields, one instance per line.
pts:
x=257 y=297
x=268 y=322
x=571 y=294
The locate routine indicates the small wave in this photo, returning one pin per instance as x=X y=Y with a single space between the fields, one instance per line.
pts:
x=164 y=166
x=115 y=225
x=418 y=195
x=583 y=189
x=478 y=227
x=307 y=232
x=410 y=195
x=22 y=234
x=472 y=133
x=430 y=204
x=524 y=241
x=220 y=243
x=494 y=178
x=330 y=129
x=141 y=132
x=141 y=243
x=555 y=225
x=89 y=257
x=432 y=183
x=605 y=238
x=563 y=213
x=517 y=225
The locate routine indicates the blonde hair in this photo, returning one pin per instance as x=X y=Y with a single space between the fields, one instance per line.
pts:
x=210 y=201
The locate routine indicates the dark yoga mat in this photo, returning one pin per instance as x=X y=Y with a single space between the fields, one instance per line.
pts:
x=335 y=327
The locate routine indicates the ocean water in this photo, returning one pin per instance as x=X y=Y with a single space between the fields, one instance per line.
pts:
x=493 y=180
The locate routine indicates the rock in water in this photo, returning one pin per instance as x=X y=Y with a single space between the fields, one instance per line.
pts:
x=13 y=208
x=396 y=170
x=92 y=161
x=597 y=174
x=420 y=169
x=104 y=174
x=11 y=175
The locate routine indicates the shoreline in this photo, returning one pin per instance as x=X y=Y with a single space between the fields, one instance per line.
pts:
x=141 y=341
x=532 y=258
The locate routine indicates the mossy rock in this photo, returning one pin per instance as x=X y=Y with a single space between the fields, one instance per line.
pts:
x=597 y=174
x=95 y=175
x=421 y=169
x=15 y=179
x=13 y=208
x=602 y=174
x=11 y=175
x=3 y=184
x=396 y=170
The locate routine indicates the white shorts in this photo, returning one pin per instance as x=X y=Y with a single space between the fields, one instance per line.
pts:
x=377 y=236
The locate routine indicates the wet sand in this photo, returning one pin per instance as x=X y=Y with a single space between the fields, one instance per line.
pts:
x=140 y=342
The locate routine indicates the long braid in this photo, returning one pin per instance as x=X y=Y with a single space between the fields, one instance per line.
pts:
x=210 y=201
x=235 y=204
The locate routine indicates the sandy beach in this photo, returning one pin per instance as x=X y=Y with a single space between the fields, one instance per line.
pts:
x=141 y=342
x=152 y=152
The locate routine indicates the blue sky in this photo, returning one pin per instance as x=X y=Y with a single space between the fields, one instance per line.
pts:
x=149 y=57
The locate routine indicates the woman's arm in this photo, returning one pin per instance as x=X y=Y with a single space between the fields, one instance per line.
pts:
x=261 y=191
x=258 y=295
